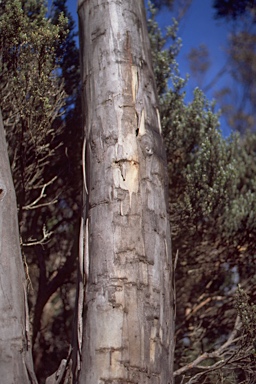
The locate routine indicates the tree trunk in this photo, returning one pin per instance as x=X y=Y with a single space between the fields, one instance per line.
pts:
x=128 y=315
x=15 y=353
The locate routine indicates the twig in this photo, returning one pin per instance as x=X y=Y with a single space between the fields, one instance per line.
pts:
x=41 y=196
x=211 y=355
x=46 y=236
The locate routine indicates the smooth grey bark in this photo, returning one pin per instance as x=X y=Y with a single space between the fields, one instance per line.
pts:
x=15 y=355
x=126 y=252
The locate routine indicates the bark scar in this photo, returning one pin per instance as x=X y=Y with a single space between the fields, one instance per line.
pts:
x=2 y=191
x=129 y=172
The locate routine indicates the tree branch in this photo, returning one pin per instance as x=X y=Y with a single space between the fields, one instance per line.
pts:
x=216 y=354
x=45 y=237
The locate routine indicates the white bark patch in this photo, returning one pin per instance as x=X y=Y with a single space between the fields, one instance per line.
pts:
x=142 y=128
x=159 y=121
x=153 y=341
x=134 y=82
x=2 y=195
x=166 y=250
x=144 y=273
x=161 y=334
x=105 y=337
x=126 y=176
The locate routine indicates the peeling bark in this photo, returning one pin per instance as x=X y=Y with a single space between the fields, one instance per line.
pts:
x=15 y=355
x=128 y=312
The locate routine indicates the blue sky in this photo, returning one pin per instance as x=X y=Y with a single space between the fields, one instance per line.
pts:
x=197 y=27
x=200 y=27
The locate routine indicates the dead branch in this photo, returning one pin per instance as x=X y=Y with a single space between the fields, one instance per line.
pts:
x=219 y=354
x=45 y=238
x=34 y=204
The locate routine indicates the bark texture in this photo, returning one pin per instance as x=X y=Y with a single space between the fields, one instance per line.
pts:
x=15 y=354
x=128 y=314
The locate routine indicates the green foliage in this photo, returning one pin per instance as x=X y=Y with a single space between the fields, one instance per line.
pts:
x=165 y=66
x=206 y=171
x=212 y=206
x=201 y=162
x=31 y=93
x=36 y=94
x=67 y=53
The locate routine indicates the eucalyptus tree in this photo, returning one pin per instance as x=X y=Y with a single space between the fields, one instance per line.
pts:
x=16 y=358
x=125 y=254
